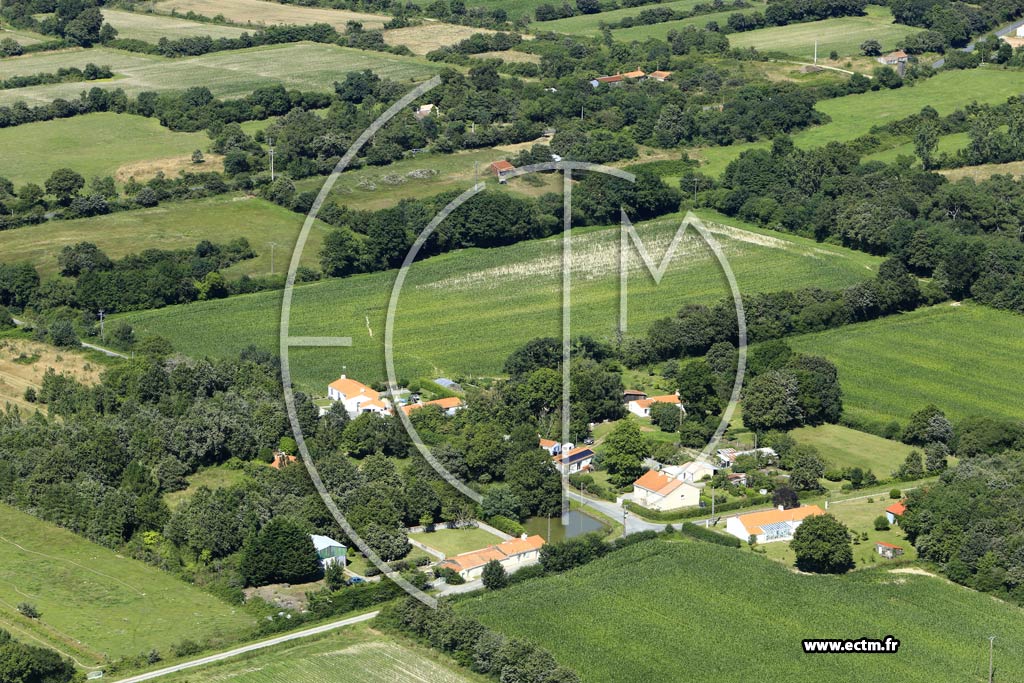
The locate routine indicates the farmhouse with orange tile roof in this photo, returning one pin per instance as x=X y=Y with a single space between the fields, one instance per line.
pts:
x=663 y=491
x=642 y=407
x=449 y=405
x=357 y=397
x=770 y=525
x=513 y=554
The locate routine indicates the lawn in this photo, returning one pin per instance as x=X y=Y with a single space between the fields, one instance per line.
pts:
x=173 y=225
x=96 y=603
x=859 y=516
x=590 y=24
x=457 y=541
x=843 y=447
x=153 y=27
x=843 y=35
x=984 y=171
x=964 y=359
x=260 y=13
x=216 y=477
x=732 y=616
x=354 y=654
x=514 y=8
x=93 y=144
x=231 y=73
x=661 y=31
x=462 y=313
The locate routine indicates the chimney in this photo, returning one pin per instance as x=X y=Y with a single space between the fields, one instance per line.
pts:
x=343 y=376
x=523 y=537
x=781 y=508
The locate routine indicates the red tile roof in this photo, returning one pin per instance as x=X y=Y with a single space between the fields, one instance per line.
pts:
x=755 y=520
x=350 y=388
x=888 y=545
x=897 y=509
x=478 y=558
x=502 y=166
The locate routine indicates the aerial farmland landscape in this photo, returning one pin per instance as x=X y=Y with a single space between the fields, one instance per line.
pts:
x=595 y=341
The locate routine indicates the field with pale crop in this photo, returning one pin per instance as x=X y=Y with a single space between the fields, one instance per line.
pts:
x=261 y=13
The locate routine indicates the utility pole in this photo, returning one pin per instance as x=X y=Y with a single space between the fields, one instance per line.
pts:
x=581 y=112
x=696 y=181
x=272 y=246
x=815 y=52
x=270 y=143
x=991 y=640
x=101 y=325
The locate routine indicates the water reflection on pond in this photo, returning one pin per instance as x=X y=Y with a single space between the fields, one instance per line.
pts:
x=577 y=525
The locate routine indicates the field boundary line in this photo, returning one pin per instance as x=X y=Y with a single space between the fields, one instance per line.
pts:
x=210 y=659
x=80 y=566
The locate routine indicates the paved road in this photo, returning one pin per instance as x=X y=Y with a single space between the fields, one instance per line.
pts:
x=109 y=352
x=249 y=648
x=970 y=46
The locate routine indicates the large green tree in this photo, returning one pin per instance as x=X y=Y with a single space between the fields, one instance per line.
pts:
x=281 y=552
x=822 y=545
x=624 y=452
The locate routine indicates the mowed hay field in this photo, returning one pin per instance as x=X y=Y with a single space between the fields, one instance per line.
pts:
x=172 y=225
x=93 y=144
x=966 y=359
x=233 y=73
x=355 y=654
x=843 y=35
x=153 y=27
x=96 y=603
x=462 y=313
x=261 y=13
x=23 y=362
x=842 y=447
x=430 y=36
x=730 y=615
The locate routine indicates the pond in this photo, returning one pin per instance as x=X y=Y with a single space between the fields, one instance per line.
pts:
x=576 y=524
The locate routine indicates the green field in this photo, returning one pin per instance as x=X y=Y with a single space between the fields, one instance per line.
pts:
x=515 y=8
x=843 y=35
x=232 y=73
x=34 y=150
x=153 y=27
x=661 y=31
x=854 y=115
x=690 y=611
x=425 y=175
x=173 y=225
x=843 y=447
x=457 y=541
x=964 y=359
x=947 y=143
x=216 y=477
x=462 y=313
x=590 y=24
x=355 y=654
x=95 y=602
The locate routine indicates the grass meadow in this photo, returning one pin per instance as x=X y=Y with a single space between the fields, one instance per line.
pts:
x=354 y=654
x=514 y=8
x=843 y=35
x=261 y=13
x=430 y=36
x=232 y=73
x=854 y=115
x=947 y=143
x=590 y=24
x=661 y=31
x=96 y=603
x=173 y=225
x=35 y=150
x=462 y=313
x=732 y=616
x=843 y=447
x=984 y=171
x=153 y=27
x=965 y=359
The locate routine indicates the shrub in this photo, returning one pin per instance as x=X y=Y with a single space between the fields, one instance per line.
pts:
x=29 y=610
x=450 y=576
x=881 y=523
x=702 y=534
x=895 y=494
x=509 y=526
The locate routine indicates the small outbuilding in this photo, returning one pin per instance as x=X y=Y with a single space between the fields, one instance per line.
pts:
x=502 y=169
x=888 y=550
x=329 y=551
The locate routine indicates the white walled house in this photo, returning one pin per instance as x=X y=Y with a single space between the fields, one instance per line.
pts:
x=357 y=397
x=573 y=460
x=513 y=554
x=642 y=407
x=696 y=470
x=770 y=525
x=662 y=491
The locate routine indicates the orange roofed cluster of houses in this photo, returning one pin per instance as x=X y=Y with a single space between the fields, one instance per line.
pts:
x=511 y=555
x=359 y=398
